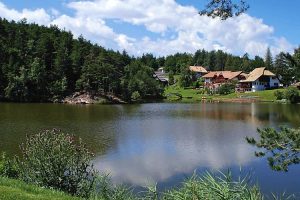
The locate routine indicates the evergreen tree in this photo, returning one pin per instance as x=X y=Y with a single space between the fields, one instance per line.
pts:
x=284 y=69
x=268 y=60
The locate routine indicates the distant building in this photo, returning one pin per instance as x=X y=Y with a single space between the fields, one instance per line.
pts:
x=223 y=76
x=161 y=70
x=161 y=76
x=259 y=79
x=198 y=70
x=215 y=79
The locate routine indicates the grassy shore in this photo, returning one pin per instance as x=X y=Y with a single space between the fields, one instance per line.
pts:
x=17 y=190
x=191 y=95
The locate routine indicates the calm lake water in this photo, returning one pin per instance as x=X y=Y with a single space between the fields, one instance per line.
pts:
x=163 y=143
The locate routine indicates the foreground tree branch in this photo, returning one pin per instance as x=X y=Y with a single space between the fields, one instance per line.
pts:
x=224 y=8
x=282 y=147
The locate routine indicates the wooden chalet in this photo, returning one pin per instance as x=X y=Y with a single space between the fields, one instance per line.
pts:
x=259 y=79
x=199 y=71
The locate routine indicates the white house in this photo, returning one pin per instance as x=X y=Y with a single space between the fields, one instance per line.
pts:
x=259 y=79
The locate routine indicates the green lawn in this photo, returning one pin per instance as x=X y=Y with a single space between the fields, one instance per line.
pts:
x=194 y=95
x=17 y=190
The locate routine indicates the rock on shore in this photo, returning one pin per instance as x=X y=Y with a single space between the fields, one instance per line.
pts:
x=89 y=98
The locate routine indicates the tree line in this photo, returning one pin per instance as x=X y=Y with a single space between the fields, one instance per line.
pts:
x=39 y=64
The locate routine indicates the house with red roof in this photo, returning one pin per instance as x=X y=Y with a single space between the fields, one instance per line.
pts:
x=215 y=79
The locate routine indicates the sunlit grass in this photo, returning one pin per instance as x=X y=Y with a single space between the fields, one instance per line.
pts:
x=195 y=95
x=18 y=190
x=209 y=186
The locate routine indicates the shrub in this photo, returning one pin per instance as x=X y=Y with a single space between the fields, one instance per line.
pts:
x=196 y=84
x=135 y=96
x=292 y=94
x=279 y=95
x=54 y=159
x=171 y=78
x=226 y=88
x=8 y=167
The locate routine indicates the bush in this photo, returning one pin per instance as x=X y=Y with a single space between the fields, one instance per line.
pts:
x=8 y=167
x=136 y=96
x=279 y=95
x=292 y=94
x=53 y=159
x=196 y=84
x=171 y=78
x=226 y=88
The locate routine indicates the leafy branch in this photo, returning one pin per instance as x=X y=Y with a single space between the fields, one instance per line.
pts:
x=282 y=147
x=224 y=8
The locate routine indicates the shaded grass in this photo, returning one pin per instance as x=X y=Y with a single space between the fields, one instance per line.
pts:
x=17 y=190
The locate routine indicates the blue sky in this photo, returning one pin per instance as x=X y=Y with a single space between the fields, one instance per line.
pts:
x=165 y=27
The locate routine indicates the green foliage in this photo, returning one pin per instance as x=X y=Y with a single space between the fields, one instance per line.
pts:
x=139 y=78
x=185 y=79
x=171 y=78
x=221 y=187
x=97 y=75
x=268 y=60
x=135 y=96
x=103 y=189
x=283 y=67
x=281 y=147
x=174 y=63
x=40 y=64
x=9 y=167
x=226 y=88
x=279 y=94
x=224 y=9
x=54 y=159
x=149 y=60
x=219 y=60
x=292 y=94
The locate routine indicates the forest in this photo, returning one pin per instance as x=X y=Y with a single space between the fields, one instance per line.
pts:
x=46 y=64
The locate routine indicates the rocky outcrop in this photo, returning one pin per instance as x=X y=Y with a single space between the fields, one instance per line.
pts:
x=89 y=98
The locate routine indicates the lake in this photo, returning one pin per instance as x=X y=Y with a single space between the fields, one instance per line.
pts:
x=159 y=142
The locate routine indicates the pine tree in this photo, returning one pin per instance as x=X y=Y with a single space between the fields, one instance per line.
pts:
x=283 y=68
x=268 y=60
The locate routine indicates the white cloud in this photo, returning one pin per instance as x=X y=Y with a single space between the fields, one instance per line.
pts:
x=38 y=16
x=162 y=17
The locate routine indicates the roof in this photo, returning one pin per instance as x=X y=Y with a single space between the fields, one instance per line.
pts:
x=245 y=74
x=258 y=72
x=296 y=84
x=161 y=76
x=226 y=74
x=198 y=69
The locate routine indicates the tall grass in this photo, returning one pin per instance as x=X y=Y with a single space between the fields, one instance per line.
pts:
x=220 y=186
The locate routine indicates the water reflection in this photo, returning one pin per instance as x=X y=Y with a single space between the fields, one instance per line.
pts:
x=157 y=158
x=156 y=142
